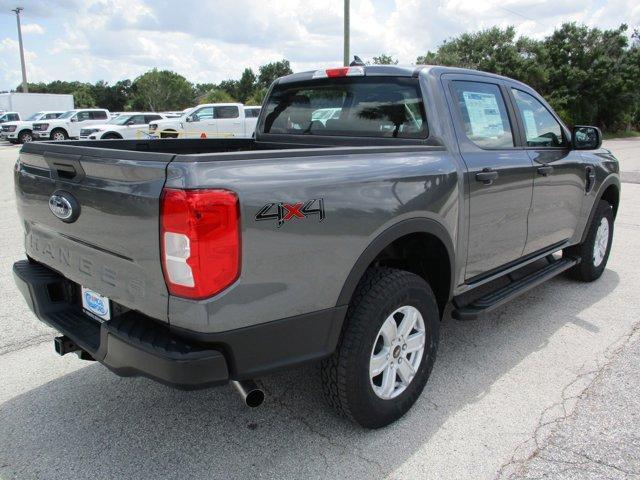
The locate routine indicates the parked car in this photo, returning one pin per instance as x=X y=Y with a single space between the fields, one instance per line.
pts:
x=22 y=132
x=207 y=120
x=26 y=104
x=126 y=126
x=197 y=262
x=69 y=124
x=9 y=117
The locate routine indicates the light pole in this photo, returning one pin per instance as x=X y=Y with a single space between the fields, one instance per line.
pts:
x=25 y=87
x=346 y=33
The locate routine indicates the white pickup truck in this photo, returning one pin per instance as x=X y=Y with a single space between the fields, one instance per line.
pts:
x=208 y=120
x=22 y=131
x=128 y=126
x=69 y=124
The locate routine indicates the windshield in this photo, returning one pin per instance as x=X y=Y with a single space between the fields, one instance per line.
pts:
x=66 y=114
x=360 y=107
x=35 y=116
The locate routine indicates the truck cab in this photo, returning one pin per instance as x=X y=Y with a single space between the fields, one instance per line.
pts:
x=9 y=117
x=225 y=120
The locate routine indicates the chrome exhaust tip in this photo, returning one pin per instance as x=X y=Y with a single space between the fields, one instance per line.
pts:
x=251 y=394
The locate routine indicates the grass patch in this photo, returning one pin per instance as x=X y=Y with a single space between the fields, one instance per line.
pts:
x=624 y=134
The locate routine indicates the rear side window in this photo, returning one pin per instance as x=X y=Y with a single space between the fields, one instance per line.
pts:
x=49 y=116
x=227 y=112
x=484 y=114
x=98 y=115
x=540 y=127
x=252 y=112
x=357 y=106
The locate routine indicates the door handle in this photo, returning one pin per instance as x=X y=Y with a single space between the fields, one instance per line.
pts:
x=545 y=170
x=486 y=176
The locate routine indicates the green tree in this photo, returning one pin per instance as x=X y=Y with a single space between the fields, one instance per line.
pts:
x=82 y=97
x=269 y=72
x=591 y=75
x=384 y=59
x=217 y=95
x=159 y=90
x=246 y=85
x=494 y=50
x=256 y=97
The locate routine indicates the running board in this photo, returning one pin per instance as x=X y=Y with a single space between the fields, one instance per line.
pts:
x=501 y=296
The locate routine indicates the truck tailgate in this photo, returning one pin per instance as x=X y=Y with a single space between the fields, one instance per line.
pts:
x=112 y=247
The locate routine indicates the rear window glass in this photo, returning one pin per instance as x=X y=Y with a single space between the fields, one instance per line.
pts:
x=359 y=107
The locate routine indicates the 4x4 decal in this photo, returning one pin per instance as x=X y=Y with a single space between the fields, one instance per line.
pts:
x=284 y=212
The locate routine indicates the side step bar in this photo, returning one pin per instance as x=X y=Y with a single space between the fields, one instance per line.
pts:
x=501 y=296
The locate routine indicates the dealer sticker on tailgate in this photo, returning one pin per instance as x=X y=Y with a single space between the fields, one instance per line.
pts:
x=95 y=304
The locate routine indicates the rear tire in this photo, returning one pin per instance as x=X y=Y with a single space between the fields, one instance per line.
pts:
x=350 y=380
x=594 y=251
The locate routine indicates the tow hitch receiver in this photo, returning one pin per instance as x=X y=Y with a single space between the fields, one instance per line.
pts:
x=64 y=345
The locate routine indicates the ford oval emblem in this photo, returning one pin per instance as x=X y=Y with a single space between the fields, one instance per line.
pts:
x=64 y=206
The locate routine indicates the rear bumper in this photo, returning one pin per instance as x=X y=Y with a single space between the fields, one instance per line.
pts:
x=132 y=344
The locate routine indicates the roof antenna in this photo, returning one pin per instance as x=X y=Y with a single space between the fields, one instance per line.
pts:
x=357 y=62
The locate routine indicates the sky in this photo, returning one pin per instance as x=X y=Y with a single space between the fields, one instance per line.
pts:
x=214 y=40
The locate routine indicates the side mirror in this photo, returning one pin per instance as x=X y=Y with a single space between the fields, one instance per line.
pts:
x=130 y=122
x=190 y=118
x=586 y=138
x=74 y=119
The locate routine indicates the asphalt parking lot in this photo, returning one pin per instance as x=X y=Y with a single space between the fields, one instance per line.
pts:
x=546 y=387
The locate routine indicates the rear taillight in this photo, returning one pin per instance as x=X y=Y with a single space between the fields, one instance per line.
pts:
x=200 y=241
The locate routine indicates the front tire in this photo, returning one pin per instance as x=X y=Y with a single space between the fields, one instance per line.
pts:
x=387 y=348
x=594 y=251
x=59 y=135
x=25 y=137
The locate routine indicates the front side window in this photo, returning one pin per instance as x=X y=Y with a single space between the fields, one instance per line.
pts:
x=350 y=106
x=227 y=112
x=540 y=127
x=83 y=116
x=151 y=118
x=205 y=113
x=484 y=114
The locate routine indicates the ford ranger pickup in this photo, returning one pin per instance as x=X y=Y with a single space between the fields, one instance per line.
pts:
x=339 y=238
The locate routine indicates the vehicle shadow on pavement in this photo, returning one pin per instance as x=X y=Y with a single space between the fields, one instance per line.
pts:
x=90 y=423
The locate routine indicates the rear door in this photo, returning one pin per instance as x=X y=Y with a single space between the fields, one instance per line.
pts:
x=560 y=174
x=112 y=247
x=499 y=174
x=229 y=121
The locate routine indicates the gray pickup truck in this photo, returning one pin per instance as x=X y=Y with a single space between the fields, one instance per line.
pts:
x=341 y=240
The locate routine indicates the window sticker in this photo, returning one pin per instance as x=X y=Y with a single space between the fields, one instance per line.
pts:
x=530 y=124
x=484 y=114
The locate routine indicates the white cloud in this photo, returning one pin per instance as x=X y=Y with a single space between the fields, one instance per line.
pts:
x=209 y=41
x=32 y=28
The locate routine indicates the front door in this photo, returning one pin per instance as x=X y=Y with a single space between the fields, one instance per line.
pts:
x=499 y=173
x=560 y=174
x=201 y=124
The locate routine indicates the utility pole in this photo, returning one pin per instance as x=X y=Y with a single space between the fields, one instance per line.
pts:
x=346 y=33
x=25 y=87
